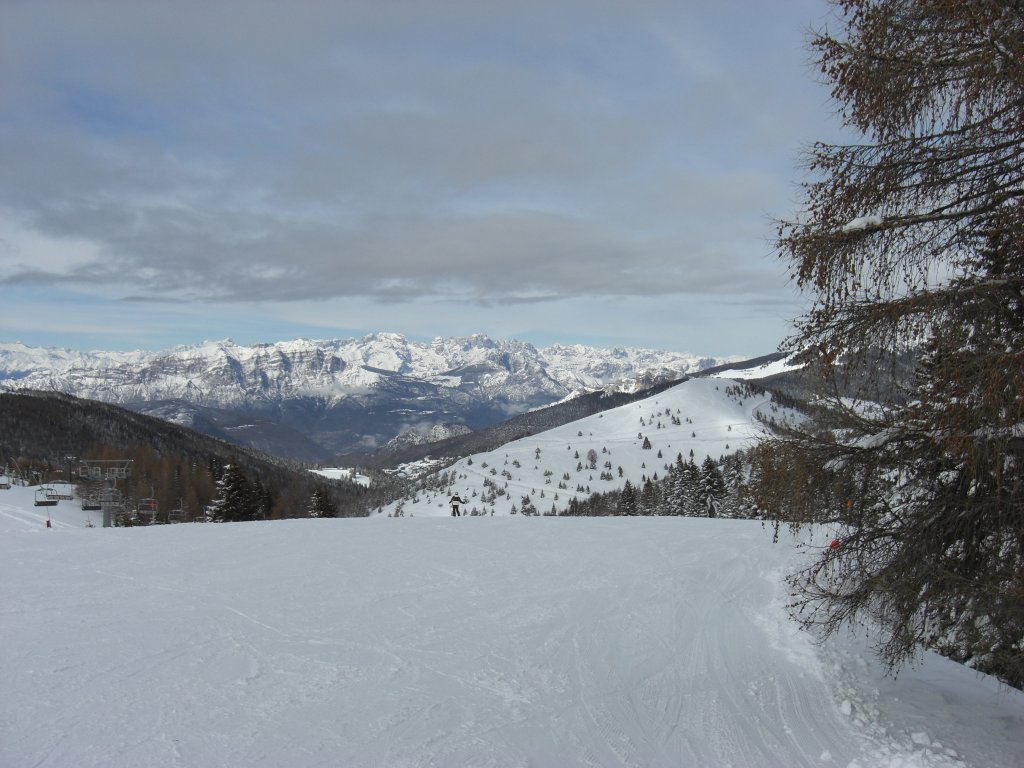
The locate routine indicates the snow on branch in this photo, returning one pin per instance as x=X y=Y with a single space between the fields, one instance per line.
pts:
x=863 y=223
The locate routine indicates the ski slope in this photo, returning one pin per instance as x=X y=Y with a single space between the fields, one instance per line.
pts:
x=714 y=418
x=761 y=371
x=500 y=642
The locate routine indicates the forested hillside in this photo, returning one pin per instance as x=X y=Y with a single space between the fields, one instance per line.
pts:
x=173 y=464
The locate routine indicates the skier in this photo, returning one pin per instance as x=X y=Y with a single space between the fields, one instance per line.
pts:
x=455 y=501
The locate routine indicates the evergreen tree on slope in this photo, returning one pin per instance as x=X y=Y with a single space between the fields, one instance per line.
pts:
x=233 y=502
x=320 y=504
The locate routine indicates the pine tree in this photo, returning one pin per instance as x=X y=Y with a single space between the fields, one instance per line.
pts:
x=711 y=488
x=233 y=502
x=263 y=501
x=734 y=501
x=675 y=492
x=649 y=498
x=320 y=504
x=693 y=505
x=627 y=500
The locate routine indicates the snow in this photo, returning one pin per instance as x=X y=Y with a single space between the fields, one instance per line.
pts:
x=18 y=360
x=862 y=223
x=226 y=373
x=413 y=469
x=343 y=473
x=449 y=642
x=715 y=419
x=761 y=371
x=581 y=368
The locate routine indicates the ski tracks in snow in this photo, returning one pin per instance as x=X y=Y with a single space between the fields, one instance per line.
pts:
x=589 y=658
x=607 y=643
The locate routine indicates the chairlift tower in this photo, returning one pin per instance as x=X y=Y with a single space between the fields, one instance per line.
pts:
x=103 y=476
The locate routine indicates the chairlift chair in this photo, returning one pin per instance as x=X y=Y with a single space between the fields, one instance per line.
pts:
x=45 y=497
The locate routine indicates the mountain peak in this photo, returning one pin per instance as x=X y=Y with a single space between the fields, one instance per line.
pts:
x=346 y=395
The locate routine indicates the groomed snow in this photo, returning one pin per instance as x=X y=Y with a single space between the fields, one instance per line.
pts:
x=448 y=642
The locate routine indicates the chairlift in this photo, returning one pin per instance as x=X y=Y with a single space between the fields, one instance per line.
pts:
x=177 y=515
x=45 y=497
x=146 y=510
x=90 y=504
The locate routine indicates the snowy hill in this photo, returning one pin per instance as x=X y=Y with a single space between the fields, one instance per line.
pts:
x=763 y=371
x=656 y=642
x=710 y=417
x=345 y=395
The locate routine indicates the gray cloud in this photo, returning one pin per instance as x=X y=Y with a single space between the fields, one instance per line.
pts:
x=487 y=153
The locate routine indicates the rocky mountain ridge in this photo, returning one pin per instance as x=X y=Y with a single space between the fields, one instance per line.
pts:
x=310 y=399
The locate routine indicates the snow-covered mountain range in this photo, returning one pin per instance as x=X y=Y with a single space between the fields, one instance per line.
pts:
x=311 y=399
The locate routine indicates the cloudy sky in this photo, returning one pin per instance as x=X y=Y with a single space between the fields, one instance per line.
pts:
x=594 y=171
